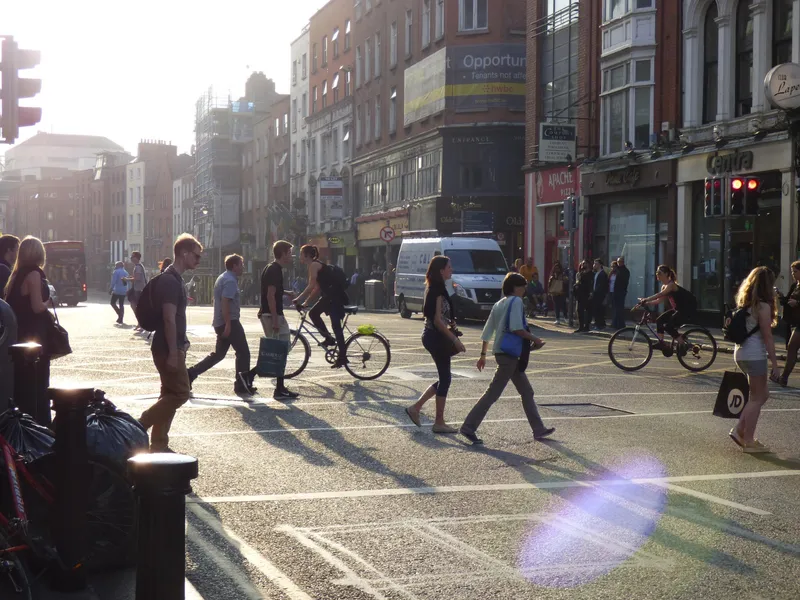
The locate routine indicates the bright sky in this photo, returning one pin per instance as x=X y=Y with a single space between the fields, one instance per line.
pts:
x=132 y=71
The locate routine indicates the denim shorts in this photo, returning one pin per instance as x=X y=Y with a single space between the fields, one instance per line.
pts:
x=756 y=368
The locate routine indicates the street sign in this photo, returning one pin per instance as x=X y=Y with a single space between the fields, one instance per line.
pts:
x=782 y=86
x=387 y=234
x=331 y=194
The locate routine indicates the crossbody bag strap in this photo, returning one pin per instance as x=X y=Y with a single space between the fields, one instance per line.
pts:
x=55 y=314
x=508 y=314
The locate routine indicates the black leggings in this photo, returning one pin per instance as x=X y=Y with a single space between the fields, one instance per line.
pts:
x=336 y=313
x=669 y=321
x=118 y=298
x=436 y=343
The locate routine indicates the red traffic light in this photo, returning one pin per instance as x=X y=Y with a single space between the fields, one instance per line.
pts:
x=752 y=184
x=737 y=184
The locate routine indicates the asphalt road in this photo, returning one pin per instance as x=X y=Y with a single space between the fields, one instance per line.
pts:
x=640 y=494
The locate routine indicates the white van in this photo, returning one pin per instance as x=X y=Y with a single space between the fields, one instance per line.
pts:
x=479 y=268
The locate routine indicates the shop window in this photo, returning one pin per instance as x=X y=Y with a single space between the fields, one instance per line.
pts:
x=710 y=64
x=782 y=31
x=744 y=58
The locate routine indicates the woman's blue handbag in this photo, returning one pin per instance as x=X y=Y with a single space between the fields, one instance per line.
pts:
x=511 y=343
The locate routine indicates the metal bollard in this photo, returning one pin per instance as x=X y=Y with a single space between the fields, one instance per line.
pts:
x=26 y=377
x=161 y=482
x=72 y=484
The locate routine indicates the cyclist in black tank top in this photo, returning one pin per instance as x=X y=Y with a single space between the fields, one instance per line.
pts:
x=682 y=307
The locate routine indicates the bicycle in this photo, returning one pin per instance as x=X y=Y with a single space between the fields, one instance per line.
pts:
x=697 y=352
x=365 y=345
x=111 y=518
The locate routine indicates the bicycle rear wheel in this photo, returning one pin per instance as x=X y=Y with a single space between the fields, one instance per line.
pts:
x=299 y=354
x=14 y=583
x=368 y=356
x=699 y=350
x=630 y=349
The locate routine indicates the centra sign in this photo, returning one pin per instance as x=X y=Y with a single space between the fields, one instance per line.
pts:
x=730 y=163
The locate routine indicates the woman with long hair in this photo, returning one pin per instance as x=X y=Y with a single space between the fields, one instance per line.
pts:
x=164 y=264
x=791 y=316
x=583 y=292
x=440 y=338
x=27 y=293
x=507 y=317
x=557 y=288
x=757 y=296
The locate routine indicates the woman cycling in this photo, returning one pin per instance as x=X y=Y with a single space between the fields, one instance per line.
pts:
x=683 y=305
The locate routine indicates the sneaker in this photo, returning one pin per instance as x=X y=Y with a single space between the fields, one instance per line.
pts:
x=340 y=362
x=284 y=394
x=328 y=343
x=470 y=435
x=545 y=433
x=244 y=384
x=755 y=447
x=683 y=349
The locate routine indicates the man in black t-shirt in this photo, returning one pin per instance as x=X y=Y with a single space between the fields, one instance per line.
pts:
x=271 y=314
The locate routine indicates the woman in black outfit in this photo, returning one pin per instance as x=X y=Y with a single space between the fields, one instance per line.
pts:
x=791 y=315
x=27 y=293
x=440 y=339
x=583 y=290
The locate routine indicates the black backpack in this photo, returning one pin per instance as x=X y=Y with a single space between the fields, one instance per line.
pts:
x=332 y=278
x=147 y=313
x=735 y=327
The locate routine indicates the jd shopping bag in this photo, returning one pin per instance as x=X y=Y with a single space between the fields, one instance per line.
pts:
x=732 y=396
x=272 y=355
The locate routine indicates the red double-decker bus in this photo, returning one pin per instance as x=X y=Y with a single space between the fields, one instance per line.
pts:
x=66 y=270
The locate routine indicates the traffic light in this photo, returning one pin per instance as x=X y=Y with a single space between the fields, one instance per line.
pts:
x=562 y=216
x=15 y=87
x=568 y=215
x=752 y=196
x=572 y=220
x=713 y=197
x=737 y=199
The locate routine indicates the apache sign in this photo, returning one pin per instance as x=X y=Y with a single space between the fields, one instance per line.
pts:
x=556 y=185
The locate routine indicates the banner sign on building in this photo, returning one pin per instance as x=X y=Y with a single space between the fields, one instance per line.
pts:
x=486 y=76
x=424 y=88
x=557 y=142
x=466 y=78
x=556 y=185
x=331 y=195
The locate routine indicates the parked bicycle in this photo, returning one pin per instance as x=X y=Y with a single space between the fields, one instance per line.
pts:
x=25 y=512
x=368 y=352
x=631 y=348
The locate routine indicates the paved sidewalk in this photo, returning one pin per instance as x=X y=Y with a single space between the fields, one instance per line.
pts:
x=723 y=346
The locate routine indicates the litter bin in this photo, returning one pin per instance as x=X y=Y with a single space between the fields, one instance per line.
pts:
x=375 y=296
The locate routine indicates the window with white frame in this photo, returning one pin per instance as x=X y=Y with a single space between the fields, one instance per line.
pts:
x=439 y=19
x=303 y=155
x=304 y=66
x=348 y=83
x=393 y=111
x=335 y=145
x=294 y=72
x=614 y=9
x=426 y=23
x=335 y=41
x=367 y=122
x=473 y=15
x=305 y=105
x=294 y=118
x=347 y=36
x=409 y=31
x=335 y=88
x=324 y=50
x=359 y=126
x=314 y=99
x=358 y=67
x=367 y=62
x=377 y=54
x=393 y=45
x=324 y=94
x=294 y=163
x=324 y=143
x=378 y=117
x=346 y=143
x=627 y=106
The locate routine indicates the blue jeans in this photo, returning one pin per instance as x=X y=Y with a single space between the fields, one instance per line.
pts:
x=617 y=312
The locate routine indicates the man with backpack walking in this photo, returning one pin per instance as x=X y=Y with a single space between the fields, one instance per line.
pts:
x=330 y=283
x=162 y=308
x=138 y=280
x=227 y=311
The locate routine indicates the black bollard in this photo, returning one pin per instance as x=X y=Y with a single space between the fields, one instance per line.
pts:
x=161 y=482
x=72 y=485
x=26 y=378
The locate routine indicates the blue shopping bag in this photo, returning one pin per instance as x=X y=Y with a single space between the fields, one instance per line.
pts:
x=272 y=355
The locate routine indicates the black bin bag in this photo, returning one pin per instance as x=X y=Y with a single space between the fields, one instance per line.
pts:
x=113 y=433
x=26 y=436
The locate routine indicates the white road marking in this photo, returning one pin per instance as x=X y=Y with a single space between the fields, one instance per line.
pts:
x=497 y=487
x=190 y=593
x=714 y=499
x=200 y=434
x=224 y=563
x=260 y=562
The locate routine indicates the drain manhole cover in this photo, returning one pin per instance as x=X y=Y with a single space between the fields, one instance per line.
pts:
x=585 y=410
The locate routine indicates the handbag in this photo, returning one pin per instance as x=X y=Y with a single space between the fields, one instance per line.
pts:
x=734 y=392
x=57 y=338
x=556 y=287
x=511 y=343
x=272 y=355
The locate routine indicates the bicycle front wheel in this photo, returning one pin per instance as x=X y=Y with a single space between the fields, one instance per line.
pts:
x=630 y=349
x=299 y=354
x=698 y=350
x=14 y=584
x=368 y=356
